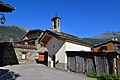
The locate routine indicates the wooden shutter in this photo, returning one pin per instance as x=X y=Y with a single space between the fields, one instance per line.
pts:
x=41 y=57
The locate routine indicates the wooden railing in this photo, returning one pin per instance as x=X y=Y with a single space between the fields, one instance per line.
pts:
x=24 y=46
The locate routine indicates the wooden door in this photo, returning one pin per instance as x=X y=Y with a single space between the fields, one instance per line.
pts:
x=43 y=58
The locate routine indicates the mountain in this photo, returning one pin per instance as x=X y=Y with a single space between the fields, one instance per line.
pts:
x=17 y=32
x=108 y=35
x=95 y=40
x=12 y=31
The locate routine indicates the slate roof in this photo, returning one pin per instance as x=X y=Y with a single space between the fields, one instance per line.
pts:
x=67 y=37
x=27 y=40
x=32 y=31
x=55 y=18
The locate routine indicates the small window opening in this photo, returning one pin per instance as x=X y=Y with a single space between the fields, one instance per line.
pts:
x=24 y=56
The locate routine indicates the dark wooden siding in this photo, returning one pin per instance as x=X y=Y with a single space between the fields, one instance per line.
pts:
x=101 y=64
x=88 y=62
x=7 y=54
x=71 y=63
x=81 y=64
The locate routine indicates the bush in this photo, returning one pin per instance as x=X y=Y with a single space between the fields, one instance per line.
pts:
x=92 y=75
x=104 y=76
x=107 y=77
x=118 y=76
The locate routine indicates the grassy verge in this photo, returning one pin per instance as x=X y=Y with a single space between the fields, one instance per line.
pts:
x=104 y=76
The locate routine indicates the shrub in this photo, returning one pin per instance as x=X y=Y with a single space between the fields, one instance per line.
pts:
x=107 y=77
x=118 y=76
x=104 y=76
x=92 y=75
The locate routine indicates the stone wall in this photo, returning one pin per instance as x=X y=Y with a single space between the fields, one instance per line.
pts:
x=10 y=55
x=31 y=55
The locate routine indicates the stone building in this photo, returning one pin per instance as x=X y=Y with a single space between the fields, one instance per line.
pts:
x=28 y=50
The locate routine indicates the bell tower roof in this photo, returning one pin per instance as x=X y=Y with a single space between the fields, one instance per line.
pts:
x=56 y=17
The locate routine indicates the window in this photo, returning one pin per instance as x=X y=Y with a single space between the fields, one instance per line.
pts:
x=53 y=45
x=24 y=56
x=55 y=25
x=58 y=23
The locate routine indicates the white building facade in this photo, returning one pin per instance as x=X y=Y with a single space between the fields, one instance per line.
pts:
x=56 y=51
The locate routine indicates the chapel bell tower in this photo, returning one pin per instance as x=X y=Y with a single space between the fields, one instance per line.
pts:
x=56 y=24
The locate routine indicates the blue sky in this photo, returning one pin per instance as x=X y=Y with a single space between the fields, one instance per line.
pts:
x=82 y=18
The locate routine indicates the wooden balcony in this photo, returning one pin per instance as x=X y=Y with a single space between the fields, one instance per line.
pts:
x=24 y=46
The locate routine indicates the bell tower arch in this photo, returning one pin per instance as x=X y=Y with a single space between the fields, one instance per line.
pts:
x=56 y=24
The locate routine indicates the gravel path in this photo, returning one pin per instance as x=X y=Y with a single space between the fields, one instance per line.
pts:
x=41 y=72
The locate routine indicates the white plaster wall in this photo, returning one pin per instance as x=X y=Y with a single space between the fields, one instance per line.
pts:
x=60 y=47
x=54 y=46
x=75 y=47
x=61 y=55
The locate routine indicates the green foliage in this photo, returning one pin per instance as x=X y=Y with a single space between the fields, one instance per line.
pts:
x=104 y=76
x=7 y=32
x=107 y=77
x=118 y=76
x=92 y=75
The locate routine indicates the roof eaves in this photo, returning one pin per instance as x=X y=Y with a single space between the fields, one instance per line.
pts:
x=106 y=43
x=7 y=6
x=31 y=31
x=88 y=53
x=48 y=32
x=27 y=40
x=53 y=34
